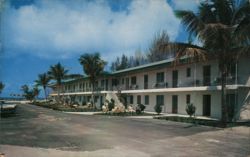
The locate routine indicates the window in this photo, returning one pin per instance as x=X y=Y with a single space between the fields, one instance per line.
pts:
x=122 y=80
x=188 y=72
x=146 y=101
x=188 y=99
x=133 y=80
x=145 y=81
x=138 y=99
x=131 y=99
x=160 y=100
x=160 y=77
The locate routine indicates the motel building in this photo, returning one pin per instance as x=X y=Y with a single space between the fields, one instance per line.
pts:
x=172 y=86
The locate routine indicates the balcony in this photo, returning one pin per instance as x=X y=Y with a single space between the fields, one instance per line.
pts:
x=199 y=82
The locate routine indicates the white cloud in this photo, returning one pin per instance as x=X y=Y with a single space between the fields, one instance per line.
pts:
x=61 y=29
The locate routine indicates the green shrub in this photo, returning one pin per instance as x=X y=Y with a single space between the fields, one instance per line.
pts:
x=140 y=108
x=190 y=109
x=111 y=104
x=158 y=108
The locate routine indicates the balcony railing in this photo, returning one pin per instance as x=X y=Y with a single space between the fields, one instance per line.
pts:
x=211 y=81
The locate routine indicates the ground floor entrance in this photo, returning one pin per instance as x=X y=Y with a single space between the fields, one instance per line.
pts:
x=206 y=105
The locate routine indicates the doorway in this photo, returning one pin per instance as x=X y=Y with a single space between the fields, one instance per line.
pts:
x=207 y=105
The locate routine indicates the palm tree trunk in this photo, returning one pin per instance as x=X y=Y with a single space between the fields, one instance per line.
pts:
x=45 y=94
x=92 y=95
x=223 y=98
x=58 y=93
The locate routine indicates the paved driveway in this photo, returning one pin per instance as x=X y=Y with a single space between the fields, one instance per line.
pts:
x=39 y=132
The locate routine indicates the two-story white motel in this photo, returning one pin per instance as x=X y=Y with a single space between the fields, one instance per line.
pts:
x=173 y=87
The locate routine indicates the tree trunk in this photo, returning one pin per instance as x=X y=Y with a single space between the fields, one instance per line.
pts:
x=58 y=93
x=92 y=95
x=224 y=111
x=45 y=94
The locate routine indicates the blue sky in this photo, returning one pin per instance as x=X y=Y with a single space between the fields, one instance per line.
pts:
x=38 y=33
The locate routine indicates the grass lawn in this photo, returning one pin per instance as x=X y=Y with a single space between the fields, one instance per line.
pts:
x=126 y=114
x=207 y=122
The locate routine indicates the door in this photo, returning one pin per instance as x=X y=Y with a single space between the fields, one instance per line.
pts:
x=231 y=103
x=127 y=83
x=145 y=81
x=138 y=99
x=175 y=78
x=101 y=101
x=206 y=105
x=206 y=75
x=174 y=104
x=107 y=84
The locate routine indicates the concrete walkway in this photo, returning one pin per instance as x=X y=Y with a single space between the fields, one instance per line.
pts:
x=83 y=113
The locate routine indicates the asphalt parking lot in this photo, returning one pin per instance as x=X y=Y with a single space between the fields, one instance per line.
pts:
x=36 y=131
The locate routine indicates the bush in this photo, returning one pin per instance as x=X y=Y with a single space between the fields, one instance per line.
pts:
x=158 y=108
x=84 y=103
x=111 y=104
x=190 y=109
x=140 y=108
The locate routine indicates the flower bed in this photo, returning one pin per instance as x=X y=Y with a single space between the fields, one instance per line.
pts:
x=65 y=108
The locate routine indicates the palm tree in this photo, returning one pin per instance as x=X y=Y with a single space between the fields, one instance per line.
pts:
x=223 y=28
x=43 y=80
x=1 y=86
x=93 y=66
x=35 y=92
x=57 y=72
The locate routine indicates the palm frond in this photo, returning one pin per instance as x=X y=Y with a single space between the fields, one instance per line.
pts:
x=240 y=51
x=185 y=50
x=242 y=30
x=190 y=20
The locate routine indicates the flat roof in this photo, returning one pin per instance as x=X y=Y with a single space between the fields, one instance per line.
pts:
x=144 y=66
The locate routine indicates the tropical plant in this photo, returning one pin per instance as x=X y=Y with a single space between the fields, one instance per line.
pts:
x=140 y=108
x=190 y=109
x=28 y=93
x=57 y=72
x=223 y=29
x=158 y=108
x=111 y=104
x=93 y=66
x=1 y=86
x=36 y=91
x=43 y=80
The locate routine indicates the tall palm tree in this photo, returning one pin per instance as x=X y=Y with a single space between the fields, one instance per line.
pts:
x=43 y=80
x=1 y=86
x=57 y=72
x=35 y=92
x=93 y=66
x=223 y=28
